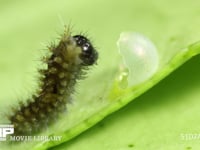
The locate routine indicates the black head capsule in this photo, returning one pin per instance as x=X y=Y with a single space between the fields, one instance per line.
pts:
x=89 y=55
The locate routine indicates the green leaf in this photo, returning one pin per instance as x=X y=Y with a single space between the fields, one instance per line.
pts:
x=156 y=120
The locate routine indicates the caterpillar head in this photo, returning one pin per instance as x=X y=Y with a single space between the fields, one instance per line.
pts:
x=88 y=55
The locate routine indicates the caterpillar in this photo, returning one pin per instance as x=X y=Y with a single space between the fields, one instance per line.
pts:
x=68 y=62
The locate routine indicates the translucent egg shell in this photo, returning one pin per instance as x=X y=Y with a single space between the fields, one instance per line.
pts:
x=139 y=55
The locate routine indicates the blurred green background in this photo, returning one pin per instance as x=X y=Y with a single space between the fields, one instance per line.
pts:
x=155 y=120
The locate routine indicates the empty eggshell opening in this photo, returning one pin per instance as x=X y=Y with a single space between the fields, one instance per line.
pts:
x=139 y=56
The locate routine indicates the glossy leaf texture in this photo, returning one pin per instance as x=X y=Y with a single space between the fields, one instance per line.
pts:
x=156 y=119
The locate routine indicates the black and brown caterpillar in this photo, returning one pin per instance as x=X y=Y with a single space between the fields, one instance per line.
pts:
x=68 y=62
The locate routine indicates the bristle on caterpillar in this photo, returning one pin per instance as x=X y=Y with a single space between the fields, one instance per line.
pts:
x=67 y=63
